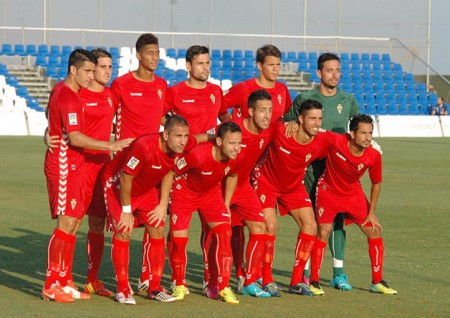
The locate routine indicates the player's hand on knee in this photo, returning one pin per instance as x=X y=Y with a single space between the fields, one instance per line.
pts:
x=126 y=222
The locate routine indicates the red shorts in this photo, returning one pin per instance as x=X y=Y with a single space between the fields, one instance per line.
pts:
x=184 y=203
x=269 y=196
x=66 y=196
x=328 y=205
x=94 y=198
x=139 y=205
x=245 y=206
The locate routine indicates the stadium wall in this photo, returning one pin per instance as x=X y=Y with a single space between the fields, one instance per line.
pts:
x=32 y=123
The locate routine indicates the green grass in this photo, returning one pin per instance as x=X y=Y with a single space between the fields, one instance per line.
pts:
x=413 y=209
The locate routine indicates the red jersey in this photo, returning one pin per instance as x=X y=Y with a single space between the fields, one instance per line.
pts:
x=145 y=161
x=251 y=148
x=99 y=113
x=344 y=170
x=139 y=105
x=65 y=115
x=200 y=107
x=204 y=173
x=286 y=161
x=237 y=97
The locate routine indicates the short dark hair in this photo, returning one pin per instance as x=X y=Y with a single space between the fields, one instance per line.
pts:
x=260 y=94
x=175 y=120
x=79 y=56
x=326 y=57
x=146 y=39
x=308 y=105
x=267 y=50
x=99 y=52
x=228 y=126
x=195 y=50
x=360 y=118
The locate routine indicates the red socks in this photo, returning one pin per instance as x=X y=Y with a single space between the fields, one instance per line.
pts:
x=254 y=255
x=317 y=254
x=267 y=261
x=145 y=273
x=178 y=259
x=120 y=255
x=224 y=258
x=376 y=254
x=238 y=247
x=94 y=248
x=305 y=243
x=59 y=258
x=156 y=256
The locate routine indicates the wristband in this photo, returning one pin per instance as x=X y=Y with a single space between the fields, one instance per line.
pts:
x=126 y=208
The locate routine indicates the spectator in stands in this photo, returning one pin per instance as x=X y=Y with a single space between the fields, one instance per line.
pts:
x=431 y=89
x=441 y=109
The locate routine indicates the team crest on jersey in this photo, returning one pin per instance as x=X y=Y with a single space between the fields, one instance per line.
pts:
x=110 y=102
x=227 y=169
x=360 y=166
x=181 y=163
x=132 y=163
x=73 y=203
x=279 y=98
x=160 y=93
x=261 y=143
x=339 y=108
x=73 y=120
x=308 y=156
x=262 y=197
x=174 y=218
x=213 y=98
x=320 y=211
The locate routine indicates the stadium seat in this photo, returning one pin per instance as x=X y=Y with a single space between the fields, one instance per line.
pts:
x=365 y=57
x=55 y=50
x=52 y=71
x=125 y=51
x=3 y=70
x=291 y=56
x=375 y=57
x=249 y=55
x=238 y=55
x=19 y=49
x=7 y=49
x=41 y=60
x=43 y=50
x=181 y=54
x=31 y=50
x=226 y=54
x=226 y=84
x=171 y=52
x=344 y=57
x=215 y=54
x=385 y=57
x=354 y=57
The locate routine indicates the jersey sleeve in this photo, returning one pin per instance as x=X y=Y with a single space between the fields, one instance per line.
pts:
x=136 y=158
x=115 y=94
x=71 y=113
x=354 y=106
x=170 y=101
x=375 y=171
x=186 y=163
x=288 y=101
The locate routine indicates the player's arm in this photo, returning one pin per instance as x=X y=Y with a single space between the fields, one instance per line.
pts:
x=50 y=141
x=372 y=217
x=230 y=185
x=126 y=217
x=160 y=211
x=204 y=137
x=78 y=139
x=225 y=117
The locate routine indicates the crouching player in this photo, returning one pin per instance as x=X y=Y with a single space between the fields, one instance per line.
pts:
x=339 y=191
x=131 y=191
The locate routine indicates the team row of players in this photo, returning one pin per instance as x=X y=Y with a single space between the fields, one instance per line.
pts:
x=138 y=99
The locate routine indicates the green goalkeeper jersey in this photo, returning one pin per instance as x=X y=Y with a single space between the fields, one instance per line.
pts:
x=337 y=109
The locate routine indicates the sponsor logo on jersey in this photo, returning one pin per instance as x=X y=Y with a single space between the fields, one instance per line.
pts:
x=206 y=173
x=339 y=108
x=174 y=218
x=135 y=94
x=188 y=101
x=340 y=156
x=308 y=156
x=156 y=167
x=73 y=120
x=73 y=203
x=279 y=98
x=243 y=146
x=212 y=131
x=181 y=163
x=227 y=169
x=321 y=210
x=213 y=98
x=360 y=166
x=132 y=163
x=285 y=150
x=160 y=93
x=91 y=104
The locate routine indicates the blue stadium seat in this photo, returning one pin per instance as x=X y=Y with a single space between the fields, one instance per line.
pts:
x=375 y=57
x=55 y=50
x=43 y=50
x=53 y=60
x=31 y=50
x=344 y=57
x=226 y=54
x=114 y=51
x=248 y=54
x=171 y=52
x=291 y=56
x=385 y=57
x=215 y=54
x=52 y=71
x=19 y=49
x=226 y=74
x=414 y=109
x=41 y=60
x=365 y=57
x=354 y=57
x=238 y=55
x=312 y=56
x=181 y=53
x=371 y=108
x=7 y=49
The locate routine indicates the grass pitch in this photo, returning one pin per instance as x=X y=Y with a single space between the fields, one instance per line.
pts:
x=413 y=209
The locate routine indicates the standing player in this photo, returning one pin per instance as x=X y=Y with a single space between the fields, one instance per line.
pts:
x=338 y=108
x=279 y=182
x=131 y=191
x=64 y=171
x=339 y=191
x=205 y=166
x=245 y=207
x=199 y=102
x=139 y=99
x=99 y=113
x=268 y=61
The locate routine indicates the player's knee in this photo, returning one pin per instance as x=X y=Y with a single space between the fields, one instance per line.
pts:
x=271 y=227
